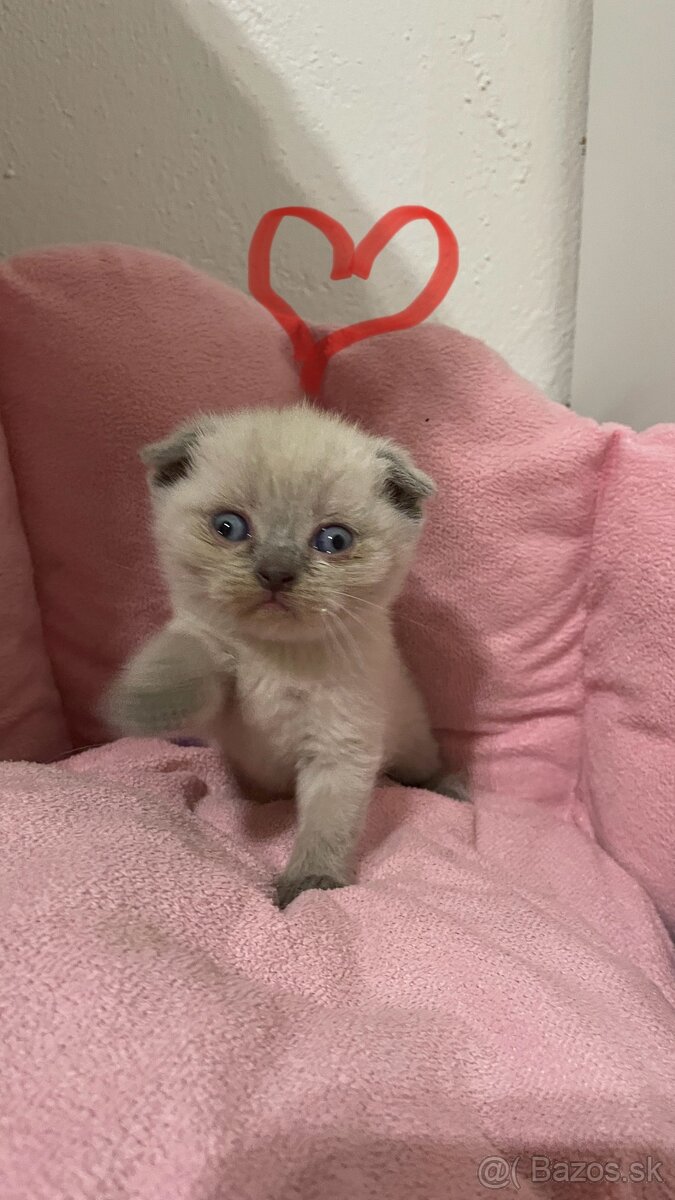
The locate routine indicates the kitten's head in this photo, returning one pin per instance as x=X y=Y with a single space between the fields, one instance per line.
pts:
x=278 y=523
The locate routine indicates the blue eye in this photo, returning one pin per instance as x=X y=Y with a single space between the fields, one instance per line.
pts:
x=231 y=526
x=333 y=539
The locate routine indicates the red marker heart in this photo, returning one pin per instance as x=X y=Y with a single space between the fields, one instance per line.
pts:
x=348 y=260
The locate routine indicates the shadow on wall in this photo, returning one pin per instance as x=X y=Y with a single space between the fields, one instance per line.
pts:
x=130 y=123
x=153 y=122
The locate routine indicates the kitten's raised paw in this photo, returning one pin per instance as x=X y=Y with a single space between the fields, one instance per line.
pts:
x=286 y=890
x=144 y=711
x=168 y=684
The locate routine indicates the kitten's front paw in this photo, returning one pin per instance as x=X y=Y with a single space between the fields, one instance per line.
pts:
x=152 y=711
x=168 y=685
x=287 y=889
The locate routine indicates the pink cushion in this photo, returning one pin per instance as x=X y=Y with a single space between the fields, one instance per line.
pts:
x=500 y=979
x=31 y=718
x=105 y=347
x=102 y=350
x=627 y=771
x=485 y=993
x=493 y=617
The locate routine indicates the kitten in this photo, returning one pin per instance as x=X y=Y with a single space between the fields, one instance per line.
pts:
x=285 y=536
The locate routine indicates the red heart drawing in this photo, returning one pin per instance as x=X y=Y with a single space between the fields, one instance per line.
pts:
x=348 y=260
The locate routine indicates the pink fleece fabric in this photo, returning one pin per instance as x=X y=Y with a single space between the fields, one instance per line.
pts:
x=500 y=981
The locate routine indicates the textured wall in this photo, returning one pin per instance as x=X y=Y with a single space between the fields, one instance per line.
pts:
x=175 y=123
x=625 y=337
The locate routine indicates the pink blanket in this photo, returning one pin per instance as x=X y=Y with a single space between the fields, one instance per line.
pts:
x=493 y=1002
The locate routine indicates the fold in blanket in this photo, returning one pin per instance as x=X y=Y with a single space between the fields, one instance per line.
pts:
x=503 y=990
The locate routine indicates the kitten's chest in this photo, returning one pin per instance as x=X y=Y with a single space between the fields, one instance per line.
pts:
x=271 y=701
x=271 y=719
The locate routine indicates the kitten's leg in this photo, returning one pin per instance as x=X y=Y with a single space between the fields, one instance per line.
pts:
x=415 y=758
x=170 y=686
x=332 y=799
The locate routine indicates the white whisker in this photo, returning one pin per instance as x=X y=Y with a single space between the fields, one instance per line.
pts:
x=334 y=643
x=352 y=616
x=379 y=607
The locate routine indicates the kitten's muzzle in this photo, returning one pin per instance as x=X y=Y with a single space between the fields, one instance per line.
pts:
x=278 y=569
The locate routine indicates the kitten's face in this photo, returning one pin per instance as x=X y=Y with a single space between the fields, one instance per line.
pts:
x=281 y=524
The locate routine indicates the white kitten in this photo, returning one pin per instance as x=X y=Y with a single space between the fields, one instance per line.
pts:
x=285 y=536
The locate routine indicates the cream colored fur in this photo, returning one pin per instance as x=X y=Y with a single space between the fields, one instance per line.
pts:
x=310 y=698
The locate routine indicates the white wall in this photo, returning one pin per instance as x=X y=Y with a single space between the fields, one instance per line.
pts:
x=176 y=123
x=625 y=345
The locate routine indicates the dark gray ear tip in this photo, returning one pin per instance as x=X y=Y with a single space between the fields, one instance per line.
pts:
x=148 y=454
x=171 y=459
x=404 y=484
x=427 y=485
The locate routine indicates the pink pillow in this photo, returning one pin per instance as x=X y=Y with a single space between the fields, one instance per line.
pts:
x=31 y=720
x=628 y=764
x=493 y=615
x=104 y=348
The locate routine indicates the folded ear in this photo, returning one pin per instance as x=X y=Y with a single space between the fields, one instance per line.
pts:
x=404 y=485
x=171 y=459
